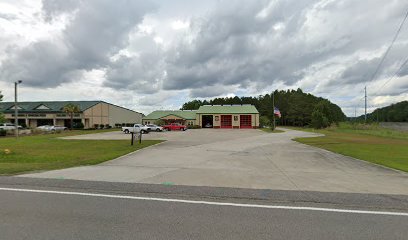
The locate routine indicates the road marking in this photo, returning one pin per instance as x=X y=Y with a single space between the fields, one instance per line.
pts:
x=207 y=203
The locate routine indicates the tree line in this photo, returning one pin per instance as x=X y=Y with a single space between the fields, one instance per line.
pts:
x=397 y=112
x=297 y=108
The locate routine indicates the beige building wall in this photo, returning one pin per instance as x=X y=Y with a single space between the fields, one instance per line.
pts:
x=235 y=121
x=255 y=120
x=148 y=121
x=216 y=120
x=97 y=114
x=118 y=115
x=33 y=123
x=60 y=122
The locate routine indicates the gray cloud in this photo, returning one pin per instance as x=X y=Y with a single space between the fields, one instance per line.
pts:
x=53 y=8
x=97 y=31
x=210 y=91
x=267 y=42
x=326 y=45
x=8 y=16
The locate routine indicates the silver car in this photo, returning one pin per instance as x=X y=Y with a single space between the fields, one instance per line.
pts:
x=58 y=128
x=49 y=128
x=154 y=128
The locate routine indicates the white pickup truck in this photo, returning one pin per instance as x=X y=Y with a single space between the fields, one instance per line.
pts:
x=136 y=129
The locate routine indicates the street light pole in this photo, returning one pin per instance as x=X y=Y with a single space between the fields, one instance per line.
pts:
x=16 y=107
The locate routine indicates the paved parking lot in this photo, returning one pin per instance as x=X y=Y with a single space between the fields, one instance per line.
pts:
x=238 y=158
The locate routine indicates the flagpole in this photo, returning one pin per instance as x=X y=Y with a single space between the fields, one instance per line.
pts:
x=273 y=103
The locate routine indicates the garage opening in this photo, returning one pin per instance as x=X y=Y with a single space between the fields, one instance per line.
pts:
x=245 y=121
x=226 y=121
x=207 y=121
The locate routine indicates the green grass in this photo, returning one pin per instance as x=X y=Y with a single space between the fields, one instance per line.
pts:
x=269 y=130
x=46 y=152
x=373 y=144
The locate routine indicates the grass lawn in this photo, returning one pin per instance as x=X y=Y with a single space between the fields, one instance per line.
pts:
x=46 y=152
x=380 y=146
x=269 y=130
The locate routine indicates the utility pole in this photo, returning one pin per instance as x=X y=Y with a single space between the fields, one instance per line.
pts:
x=273 y=103
x=16 y=107
x=365 y=105
x=355 y=113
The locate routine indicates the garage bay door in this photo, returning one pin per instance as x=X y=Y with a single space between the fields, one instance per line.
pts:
x=245 y=121
x=226 y=121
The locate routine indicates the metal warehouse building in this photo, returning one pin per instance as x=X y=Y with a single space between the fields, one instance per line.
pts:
x=92 y=113
x=210 y=116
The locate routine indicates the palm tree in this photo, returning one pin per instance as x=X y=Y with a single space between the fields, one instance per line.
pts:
x=71 y=109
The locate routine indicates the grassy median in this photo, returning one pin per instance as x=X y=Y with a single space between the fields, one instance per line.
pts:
x=370 y=143
x=46 y=152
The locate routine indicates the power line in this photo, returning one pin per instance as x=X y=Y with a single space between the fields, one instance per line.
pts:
x=393 y=76
x=389 y=47
x=365 y=104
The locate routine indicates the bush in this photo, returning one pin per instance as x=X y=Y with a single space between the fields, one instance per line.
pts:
x=3 y=132
x=79 y=125
x=107 y=126
x=193 y=126
x=101 y=126
x=319 y=120
x=264 y=121
x=96 y=126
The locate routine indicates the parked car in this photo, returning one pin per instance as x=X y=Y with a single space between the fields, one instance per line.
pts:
x=50 y=128
x=9 y=126
x=58 y=128
x=44 y=128
x=175 y=126
x=155 y=128
x=136 y=128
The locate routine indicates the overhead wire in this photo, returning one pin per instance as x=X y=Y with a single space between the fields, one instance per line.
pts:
x=389 y=47
x=386 y=53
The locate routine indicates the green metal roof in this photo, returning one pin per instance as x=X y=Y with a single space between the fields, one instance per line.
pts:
x=55 y=106
x=227 y=109
x=186 y=114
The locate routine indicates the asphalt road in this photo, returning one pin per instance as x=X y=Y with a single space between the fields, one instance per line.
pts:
x=61 y=215
x=240 y=159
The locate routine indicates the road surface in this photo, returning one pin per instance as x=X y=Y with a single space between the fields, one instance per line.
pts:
x=240 y=159
x=51 y=209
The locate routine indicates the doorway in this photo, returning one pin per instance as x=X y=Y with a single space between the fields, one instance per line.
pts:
x=207 y=121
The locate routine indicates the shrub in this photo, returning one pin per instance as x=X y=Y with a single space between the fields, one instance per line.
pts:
x=193 y=126
x=319 y=120
x=79 y=125
x=107 y=126
x=264 y=121
x=3 y=132
x=96 y=126
x=101 y=126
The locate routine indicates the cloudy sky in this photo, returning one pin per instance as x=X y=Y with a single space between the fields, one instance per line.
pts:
x=158 y=54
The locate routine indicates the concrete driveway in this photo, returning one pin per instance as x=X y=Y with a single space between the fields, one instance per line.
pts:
x=238 y=158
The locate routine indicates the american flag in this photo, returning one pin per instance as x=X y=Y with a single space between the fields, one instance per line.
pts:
x=277 y=112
